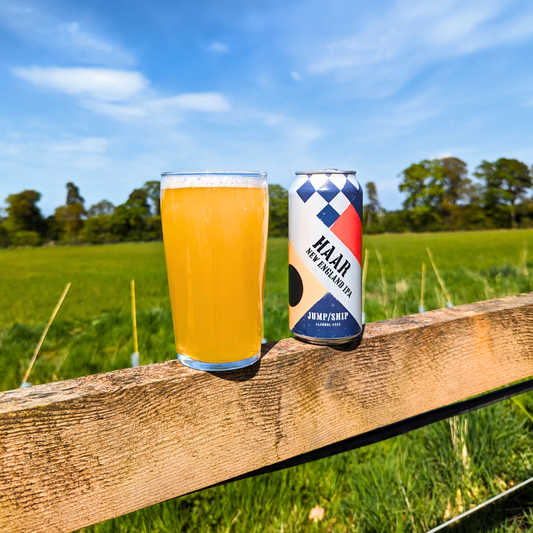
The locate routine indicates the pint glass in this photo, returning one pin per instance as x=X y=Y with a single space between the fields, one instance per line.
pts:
x=215 y=228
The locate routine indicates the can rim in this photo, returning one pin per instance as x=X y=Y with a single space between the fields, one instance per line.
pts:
x=326 y=171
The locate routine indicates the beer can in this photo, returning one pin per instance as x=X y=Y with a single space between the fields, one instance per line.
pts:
x=325 y=240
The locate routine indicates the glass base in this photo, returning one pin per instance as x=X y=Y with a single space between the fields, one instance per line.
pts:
x=217 y=367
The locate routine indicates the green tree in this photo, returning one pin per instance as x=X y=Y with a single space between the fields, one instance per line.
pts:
x=73 y=194
x=505 y=182
x=130 y=220
x=373 y=207
x=154 y=230
x=54 y=229
x=4 y=236
x=459 y=192
x=103 y=207
x=97 y=229
x=70 y=217
x=25 y=238
x=394 y=221
x=23 y=214
x=152 y=224
x=139 y=198
x=278 y=221
x=457 y=185
x=423 y=183
x=437 y=192
x=153 y=190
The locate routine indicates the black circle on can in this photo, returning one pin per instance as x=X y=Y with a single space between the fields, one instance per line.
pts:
x=296 y=286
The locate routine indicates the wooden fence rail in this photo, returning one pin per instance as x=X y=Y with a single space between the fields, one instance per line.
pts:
x=78 y=452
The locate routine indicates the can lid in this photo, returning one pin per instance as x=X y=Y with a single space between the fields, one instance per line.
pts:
x=326 y=171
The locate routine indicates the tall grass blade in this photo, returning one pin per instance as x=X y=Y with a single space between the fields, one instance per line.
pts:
x=421 y=308
x=409 y=508
x=383 y=279
x=365 y=271
x=443 y=287
x=515 y=400
x=25 y=382
x=135 y=357
x=523 y=260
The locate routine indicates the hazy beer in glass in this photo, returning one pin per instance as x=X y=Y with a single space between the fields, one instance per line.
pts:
x=215 y=233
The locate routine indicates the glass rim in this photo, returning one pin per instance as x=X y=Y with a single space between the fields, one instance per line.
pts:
x=221 y=173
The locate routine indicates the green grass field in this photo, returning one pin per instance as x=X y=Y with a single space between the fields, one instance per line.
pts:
x=409 y=483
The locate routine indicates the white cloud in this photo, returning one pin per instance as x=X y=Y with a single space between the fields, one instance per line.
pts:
x=48 y=159
x=273 y=119
x=163 y=109
x=387 y=49
x=121 y=95
x=11 y=149
x=305 y=134
x=77 y=37
x=297 y=136
x=206 y=102
x=17 y=9
x=73 y=146
x=295 y=76
x=218 y=48
x=116 y=111
x=53 y=148
x=67 y=38
x=409 y=113
x=98 y=83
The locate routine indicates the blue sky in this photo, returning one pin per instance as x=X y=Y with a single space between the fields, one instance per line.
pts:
x=111 y=94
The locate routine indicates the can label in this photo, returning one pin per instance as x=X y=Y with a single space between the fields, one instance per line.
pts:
x=325 y=234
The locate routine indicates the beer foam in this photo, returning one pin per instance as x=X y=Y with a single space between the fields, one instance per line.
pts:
x=180 y=180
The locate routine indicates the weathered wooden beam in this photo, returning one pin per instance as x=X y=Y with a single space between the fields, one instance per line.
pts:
x=77 y=452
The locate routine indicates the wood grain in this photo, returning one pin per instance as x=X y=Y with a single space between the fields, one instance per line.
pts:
x=78 y=452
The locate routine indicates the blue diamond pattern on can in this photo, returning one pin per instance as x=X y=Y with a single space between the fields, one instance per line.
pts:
x=328 y=215
x=350 y=191
x=328 y=191
x=306 y=191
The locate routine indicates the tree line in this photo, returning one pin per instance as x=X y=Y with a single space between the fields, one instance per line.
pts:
x=439 y=195
x=137 y=219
